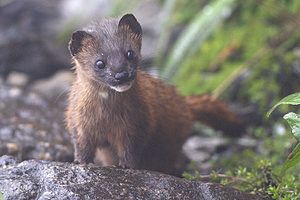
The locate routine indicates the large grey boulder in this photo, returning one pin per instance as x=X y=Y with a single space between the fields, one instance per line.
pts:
x=34 y=179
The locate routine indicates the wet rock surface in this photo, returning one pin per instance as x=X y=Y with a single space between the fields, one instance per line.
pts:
x=52 y=180
x=32 y=127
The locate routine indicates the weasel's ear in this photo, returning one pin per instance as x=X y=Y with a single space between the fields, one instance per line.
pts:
x=75 y=43
x=131 y=22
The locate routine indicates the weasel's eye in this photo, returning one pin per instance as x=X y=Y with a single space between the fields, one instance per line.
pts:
x=99 y=64
x=130 y=55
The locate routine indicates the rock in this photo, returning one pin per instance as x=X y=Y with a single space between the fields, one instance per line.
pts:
x=17 y=79
x=35 y=179
x=31 y=127
x=30 y=38
x=56 y=87
x=201 y=149
x=7 y=160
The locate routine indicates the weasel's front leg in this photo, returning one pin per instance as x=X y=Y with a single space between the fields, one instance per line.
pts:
x=85 y=148
x=129 y=153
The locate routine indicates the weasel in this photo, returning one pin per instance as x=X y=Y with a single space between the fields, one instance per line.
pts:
x=119 y=115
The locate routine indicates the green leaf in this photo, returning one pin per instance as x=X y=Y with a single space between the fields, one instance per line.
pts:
x=294 y=122
x=1 y=196
x=204 y=23
x=293 y=158
x=293 y=99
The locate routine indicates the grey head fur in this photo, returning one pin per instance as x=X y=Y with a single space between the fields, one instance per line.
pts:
x=108 y=51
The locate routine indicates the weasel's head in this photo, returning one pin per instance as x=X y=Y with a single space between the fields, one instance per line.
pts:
x=109 y=51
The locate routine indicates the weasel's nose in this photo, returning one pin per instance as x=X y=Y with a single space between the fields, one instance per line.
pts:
x=122 y=76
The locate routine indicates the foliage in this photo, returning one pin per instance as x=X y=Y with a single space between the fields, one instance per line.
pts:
x=293 y=99
x=196 y=32
x=121 y=7
x=294 y=122
x=254 y=48
x=268 y=175
x=257 y=173
x=261 y=179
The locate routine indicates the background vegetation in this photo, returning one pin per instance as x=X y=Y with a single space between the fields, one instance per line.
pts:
x=247 y=52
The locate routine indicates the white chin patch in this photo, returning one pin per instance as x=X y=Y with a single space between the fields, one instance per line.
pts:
x=122 y=88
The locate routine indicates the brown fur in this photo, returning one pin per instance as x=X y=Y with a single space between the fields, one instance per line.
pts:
x=216 y=114
x=144 y=127
x=141 y=128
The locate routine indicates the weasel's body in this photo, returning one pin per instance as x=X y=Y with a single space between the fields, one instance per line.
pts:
x=122 y=115
x=143 y=127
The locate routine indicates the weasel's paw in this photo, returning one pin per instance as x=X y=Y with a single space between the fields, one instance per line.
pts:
x=123 y=165
x=92 y=165
x=76 y=162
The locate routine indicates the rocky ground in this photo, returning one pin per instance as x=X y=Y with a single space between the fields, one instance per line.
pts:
x=32 y=127
x=35 y=179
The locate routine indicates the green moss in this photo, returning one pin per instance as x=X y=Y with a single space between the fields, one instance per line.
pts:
x=252 y=27
x=185 y=10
